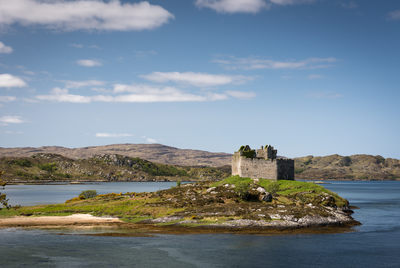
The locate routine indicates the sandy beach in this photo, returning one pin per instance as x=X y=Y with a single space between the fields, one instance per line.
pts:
x=59 y=221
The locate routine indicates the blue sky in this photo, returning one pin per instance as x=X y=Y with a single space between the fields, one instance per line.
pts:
x=311 y=77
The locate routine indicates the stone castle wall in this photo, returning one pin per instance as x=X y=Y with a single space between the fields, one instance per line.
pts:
x=255 y=168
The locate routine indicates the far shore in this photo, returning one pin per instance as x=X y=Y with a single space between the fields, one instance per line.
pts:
x=50 y=182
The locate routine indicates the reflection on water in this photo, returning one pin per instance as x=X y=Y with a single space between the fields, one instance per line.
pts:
x=374 y=244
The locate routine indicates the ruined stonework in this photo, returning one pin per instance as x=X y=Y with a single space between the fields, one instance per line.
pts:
x=262 y=163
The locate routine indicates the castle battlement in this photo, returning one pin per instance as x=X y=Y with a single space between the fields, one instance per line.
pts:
x=262 y=163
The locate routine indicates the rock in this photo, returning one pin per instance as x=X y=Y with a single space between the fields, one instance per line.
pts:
x=210 y=189
x=267 y=197
x=261 y=190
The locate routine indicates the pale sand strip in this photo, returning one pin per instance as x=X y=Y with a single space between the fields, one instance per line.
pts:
x=75 y=219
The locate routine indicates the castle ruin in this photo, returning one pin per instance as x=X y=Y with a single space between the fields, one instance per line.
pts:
x=262 y=163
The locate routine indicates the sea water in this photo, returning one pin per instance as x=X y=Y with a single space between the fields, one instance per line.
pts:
x=376 y=243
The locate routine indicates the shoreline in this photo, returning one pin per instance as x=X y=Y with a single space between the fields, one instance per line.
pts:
x=121 y=228
x=105 y=181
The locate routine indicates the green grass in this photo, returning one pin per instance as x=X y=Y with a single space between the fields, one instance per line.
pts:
x=103 y=205
x=285 y=188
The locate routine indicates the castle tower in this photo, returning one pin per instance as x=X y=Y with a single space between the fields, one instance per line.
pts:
x=262 y=163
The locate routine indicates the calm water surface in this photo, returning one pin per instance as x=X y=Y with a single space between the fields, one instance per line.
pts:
x=374 y=244
x=28 y=195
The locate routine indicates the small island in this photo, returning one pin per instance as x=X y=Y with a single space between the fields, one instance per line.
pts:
x=233 y=204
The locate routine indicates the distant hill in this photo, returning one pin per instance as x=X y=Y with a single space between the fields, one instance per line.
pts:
x=152 y=152
x=42 y=167
x=355 y=167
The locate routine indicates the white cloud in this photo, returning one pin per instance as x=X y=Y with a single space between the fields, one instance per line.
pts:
x=11 y=119
x=8 y=80
x=77 y=45
x=395 y=15
x=291 y=2
x=86 y=83
x=113 y=135
x=139 y=94
x=145 y=93
x=233 y=6
x=7 y=98
x=62 y=95
x=259 y=63
x=149 y=140
x=241 y=94
x=89 y=63
x=5 y=49
x=84 y=14
x=195 y=79
x=246 y=6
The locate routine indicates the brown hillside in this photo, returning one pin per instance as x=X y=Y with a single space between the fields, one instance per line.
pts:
x=152 y=152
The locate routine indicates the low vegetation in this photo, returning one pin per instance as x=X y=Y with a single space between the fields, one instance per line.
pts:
x=52 y=167
x=355 y=167
x=3 y=197
x=228 y=201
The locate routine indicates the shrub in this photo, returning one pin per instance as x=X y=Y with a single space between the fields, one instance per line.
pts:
x=273 y=187
x=49 y=167
x=88 y=194
x=178 y=183
x=345 y=161
x=22 y=162
x=299 y=170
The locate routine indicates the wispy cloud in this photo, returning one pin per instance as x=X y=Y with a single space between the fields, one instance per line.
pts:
x=253 y=63
x=78 y=45
x=325 y=95
x=84 y=15
x=8 y=80
x=240 y=94
x=141 y=94
x=291 y=2
x=7 y=98
x=5 y=49
x=246 y=6
x=85 y=83
x=89 y=63
x=233 y=6
x=314 y=76
x=113 y=135
x=10 y=119
x=195 y=79
x=394 y=15
x=149 y=140
x=62 y=95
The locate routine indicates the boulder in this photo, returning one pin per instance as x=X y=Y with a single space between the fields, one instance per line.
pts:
x=267 y=197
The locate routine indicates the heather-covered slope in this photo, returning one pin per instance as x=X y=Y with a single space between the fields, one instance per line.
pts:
x=52 y=167
x=355 y=167
x=152 y=152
